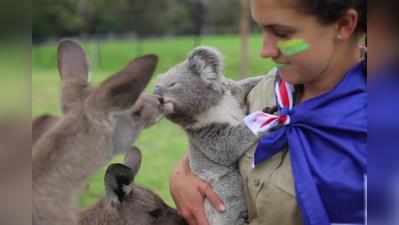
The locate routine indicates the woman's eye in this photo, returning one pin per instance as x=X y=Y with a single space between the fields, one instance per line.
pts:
x=156 y=213
x=281 y=34
x=278 y=32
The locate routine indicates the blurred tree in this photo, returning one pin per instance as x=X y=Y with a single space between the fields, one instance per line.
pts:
x=52 y=18
x=198 y=9
x=143 y=18
x=224 y=16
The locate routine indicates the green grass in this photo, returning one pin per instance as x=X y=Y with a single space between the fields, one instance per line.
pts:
x=162 y=145
x=14 y=79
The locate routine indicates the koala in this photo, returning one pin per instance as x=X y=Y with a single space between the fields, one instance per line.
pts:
x=210 y=108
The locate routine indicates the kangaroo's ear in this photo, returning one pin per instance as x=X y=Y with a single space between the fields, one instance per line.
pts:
x=73 y=67
x=206 y=62
x=120 y=91
x=40 y=125
x=72 y=61
x=117 y=180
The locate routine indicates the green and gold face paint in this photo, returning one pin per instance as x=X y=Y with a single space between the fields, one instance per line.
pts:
x=279 y=65
x=292 y=47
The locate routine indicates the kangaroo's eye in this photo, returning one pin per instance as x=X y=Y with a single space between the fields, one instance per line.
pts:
x=136 y=113
x=156 y=213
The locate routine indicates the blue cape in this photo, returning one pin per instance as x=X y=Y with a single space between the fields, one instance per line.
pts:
x=327 y=139
x=383 y=144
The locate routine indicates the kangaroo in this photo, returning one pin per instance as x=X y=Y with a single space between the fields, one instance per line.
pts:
x=126 y=203
x=41 y=124
x=87 y=136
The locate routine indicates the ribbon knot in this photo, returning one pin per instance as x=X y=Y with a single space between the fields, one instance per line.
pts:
x=283 y=119
x=285 y=112
x=284 y=116
x=259 y=122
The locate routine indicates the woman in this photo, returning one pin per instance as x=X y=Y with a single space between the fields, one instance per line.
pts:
x=302 y=184
x=383 y=67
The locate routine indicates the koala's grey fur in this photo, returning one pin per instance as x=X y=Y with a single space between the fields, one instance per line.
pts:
x=211 y=108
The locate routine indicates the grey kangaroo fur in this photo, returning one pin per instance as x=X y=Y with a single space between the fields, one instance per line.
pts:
x=211 y=108
x=41 y=124
x=126 y=203
x=75 y=145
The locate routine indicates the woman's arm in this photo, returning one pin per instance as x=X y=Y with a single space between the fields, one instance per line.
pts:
x=189 y=192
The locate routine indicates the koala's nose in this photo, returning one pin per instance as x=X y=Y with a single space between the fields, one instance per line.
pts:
x=160 y=100
x=158 y=90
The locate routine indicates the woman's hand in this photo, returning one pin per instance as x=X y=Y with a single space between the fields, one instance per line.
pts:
x=189 y=193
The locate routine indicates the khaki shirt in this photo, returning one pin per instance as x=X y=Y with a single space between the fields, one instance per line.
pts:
x=269 y=188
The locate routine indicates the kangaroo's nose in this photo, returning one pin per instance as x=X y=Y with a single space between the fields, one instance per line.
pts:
x=158 y=90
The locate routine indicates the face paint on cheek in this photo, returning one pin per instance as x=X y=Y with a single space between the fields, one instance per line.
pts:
x=292 y=47
x=279 y=65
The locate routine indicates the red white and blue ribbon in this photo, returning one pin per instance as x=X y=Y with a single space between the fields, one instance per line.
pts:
x=260 y=122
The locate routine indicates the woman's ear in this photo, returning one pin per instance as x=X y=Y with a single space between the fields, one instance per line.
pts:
x=347 y=24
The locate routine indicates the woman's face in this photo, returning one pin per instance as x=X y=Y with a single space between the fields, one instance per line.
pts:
x=282 y=21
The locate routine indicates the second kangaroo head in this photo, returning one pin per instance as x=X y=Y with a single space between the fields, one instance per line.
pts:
x=127 y=203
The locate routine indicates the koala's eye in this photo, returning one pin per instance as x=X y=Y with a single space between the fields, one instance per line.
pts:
x=156 y=213
x=173 y=84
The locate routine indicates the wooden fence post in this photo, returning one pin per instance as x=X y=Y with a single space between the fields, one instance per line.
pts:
x=244 y=36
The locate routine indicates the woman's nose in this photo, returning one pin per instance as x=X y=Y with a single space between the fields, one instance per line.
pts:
x=270 y=48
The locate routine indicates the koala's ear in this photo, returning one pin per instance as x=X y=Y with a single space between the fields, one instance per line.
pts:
x=118 y=178
x=73 y=67
x=206 y=62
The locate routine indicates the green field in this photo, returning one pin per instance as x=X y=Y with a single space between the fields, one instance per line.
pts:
x=161 y=145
